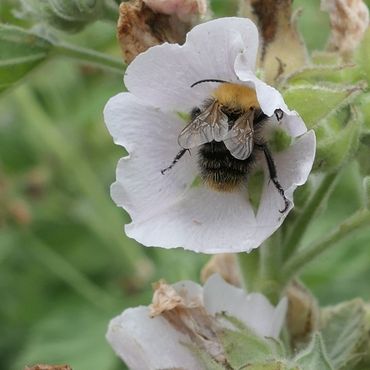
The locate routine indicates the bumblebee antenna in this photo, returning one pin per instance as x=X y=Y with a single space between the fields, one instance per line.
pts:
x=209 y=80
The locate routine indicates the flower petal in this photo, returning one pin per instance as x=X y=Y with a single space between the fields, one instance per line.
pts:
x=206 y=221
x=268 y=97
x=203 y=221
x=163 y=75
x=254 y=310
x=150 y=136
x=191 y=292
x=165 y=212
x=293 y=167
x=146 y=343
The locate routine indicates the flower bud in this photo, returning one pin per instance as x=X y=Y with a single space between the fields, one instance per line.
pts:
x=226 y=265
x=303 y=313
x=66 y=15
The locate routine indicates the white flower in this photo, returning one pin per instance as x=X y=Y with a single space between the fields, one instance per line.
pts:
x=157 y=337
x=168 y=210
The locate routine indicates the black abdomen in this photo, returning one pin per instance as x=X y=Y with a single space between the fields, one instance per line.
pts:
x=219 y=169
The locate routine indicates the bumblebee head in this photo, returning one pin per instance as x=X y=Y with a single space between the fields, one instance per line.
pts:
x=232 y=95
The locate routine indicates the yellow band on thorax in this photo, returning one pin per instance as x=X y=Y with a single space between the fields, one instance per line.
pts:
x=236 y=96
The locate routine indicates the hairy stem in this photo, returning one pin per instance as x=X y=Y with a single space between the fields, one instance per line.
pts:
x=90 y=57
x=356 y=222
x=270 y=262
x=310 y=210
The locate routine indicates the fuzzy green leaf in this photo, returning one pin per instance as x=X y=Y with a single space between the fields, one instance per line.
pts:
x=242 y=346
x=314 y=356
x=20 y=52
x=328 y=58
x=344 y=332
x=278 y=365
x=315 y=102
x=328 y=73
x=337 y=143
x=208 y=363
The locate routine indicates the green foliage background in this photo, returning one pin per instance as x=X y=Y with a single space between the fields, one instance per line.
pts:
x=66 y=267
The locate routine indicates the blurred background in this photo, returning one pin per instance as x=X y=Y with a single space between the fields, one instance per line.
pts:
x=66 y=266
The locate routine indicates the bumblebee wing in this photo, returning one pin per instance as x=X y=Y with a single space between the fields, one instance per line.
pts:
x=239 y=140
x=209 y=125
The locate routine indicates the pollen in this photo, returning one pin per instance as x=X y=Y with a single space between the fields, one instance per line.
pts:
x=236 y=96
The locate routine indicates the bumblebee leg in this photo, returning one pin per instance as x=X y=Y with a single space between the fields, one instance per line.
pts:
x=175 y=160
x=273 y=174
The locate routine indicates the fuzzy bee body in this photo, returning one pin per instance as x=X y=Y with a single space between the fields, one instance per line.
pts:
x=219 y=169
x=227 y=132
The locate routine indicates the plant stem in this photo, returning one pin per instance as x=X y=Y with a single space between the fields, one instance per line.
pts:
x=270 y=262
x=88 y=56
x=310 y=210
x=249 y=268
x=354 y=223
x=69 y=274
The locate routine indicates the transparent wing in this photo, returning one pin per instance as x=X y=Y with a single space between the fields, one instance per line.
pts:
x=239 y=140
x=211 y=124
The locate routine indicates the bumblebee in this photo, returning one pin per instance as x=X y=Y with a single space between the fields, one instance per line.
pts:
x=227 y=131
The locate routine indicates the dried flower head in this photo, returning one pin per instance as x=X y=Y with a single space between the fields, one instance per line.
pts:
x=185 y=318
x=349 y=20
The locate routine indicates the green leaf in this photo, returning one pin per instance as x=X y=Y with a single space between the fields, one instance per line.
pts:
x=318 y=73
x=278 y=365
x=345 y=331
x=325 y=58
x=207 y=361
x=20 y=52
x=315 y=102
x=314 y=356
x=242 y=346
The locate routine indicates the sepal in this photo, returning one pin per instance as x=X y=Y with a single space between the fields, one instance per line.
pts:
x=345 y=331
x=314 y=357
